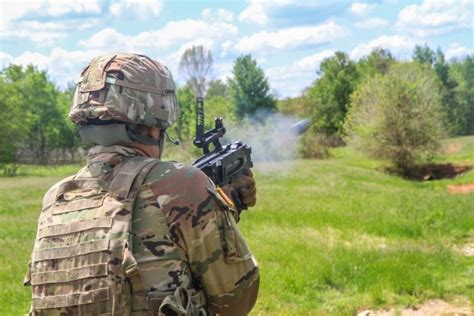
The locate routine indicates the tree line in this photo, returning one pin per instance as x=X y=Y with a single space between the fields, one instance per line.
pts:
x=388 y=108
x=34 y=116
x=349 y=101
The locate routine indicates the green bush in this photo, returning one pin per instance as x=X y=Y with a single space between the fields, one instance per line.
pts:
x=314 y=146
x=398 y=116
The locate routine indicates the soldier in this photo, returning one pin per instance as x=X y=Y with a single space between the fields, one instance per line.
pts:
x=130 y=234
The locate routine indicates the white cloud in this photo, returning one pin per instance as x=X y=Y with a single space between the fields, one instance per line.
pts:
x=63 y=66
x=37 y=59
x=433 y=17
x=15 y=9
x=61 y=7
x=41 y=33
x=12 y=10
x=217 y=14
x=372 y=23
x=141 y=8
x=47 y=33
x=5 y=60
x=254 y=13
x=258 y=10
x=360 y=8
x=19 y=19
x=313 y=61
x=107 y=37
x=43 y=26
x=174 y=32
x=291 y=37
x=399 y=46
x=223 y=70
x=225 y=47
x=457 y=51
x=291 y=79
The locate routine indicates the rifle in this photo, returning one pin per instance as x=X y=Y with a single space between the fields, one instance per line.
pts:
x=222 y=162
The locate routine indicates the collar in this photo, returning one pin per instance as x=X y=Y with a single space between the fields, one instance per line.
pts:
x=114 y=149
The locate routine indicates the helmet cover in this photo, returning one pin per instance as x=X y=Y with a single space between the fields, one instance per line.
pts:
x=126 y=87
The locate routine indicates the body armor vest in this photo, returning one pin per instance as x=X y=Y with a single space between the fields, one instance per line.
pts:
x=82 y=263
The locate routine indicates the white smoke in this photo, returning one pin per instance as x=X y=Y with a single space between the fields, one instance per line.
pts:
x=272 y=139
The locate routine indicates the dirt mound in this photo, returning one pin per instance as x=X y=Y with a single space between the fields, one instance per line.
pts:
x=439 y=171
x=429 y=308
x=432 y=171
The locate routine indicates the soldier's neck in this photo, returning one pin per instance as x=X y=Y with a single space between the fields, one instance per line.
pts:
x=152 y=151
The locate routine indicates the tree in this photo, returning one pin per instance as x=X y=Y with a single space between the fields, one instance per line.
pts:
x=217 y=88
x=68 y=138
x=462 y=72
x=38 y=118
x=184 y=126
x=329 y=96
x=11 y=128
x=196 y=66
x=218 y=106
x=424 y=55
x=250 y=89
x=377 y=62
x=293 y=107
x=455 y=112
x=398 y=116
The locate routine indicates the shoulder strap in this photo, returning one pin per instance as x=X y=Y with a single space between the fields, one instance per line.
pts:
x=126 y=184
x=130 y=177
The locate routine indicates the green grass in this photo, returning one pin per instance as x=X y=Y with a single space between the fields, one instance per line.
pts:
x=331 y=237
x=41 y=171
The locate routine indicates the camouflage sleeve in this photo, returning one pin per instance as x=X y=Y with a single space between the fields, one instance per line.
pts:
x=203 y=225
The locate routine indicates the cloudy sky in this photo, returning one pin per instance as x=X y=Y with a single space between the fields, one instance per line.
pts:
x=288 y=38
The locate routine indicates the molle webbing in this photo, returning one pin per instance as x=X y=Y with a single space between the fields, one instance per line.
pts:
x=94 y=270
x=82 y=238
x=71 y=299
x=84 y=225
x=71 y=251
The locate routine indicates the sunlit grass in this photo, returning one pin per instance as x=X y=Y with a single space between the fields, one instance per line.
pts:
x=331 y=237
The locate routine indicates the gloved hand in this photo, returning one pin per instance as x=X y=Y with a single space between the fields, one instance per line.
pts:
x=242 y=191
x=244 y=187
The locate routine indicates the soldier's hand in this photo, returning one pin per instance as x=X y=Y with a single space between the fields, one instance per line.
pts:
x=245 y=187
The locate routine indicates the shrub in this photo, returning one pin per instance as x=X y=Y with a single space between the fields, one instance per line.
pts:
x=398 y=116
x=315 y=146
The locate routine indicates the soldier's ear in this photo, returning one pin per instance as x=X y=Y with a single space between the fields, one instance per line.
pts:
x=154 y=132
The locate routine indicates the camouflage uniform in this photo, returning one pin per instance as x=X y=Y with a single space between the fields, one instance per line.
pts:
x=187 y=254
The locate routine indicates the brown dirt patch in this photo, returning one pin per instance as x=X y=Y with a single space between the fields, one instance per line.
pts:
x=468 y=248
x=440 y=171
x=433 y=171
x=431 y=308
x=460 y=188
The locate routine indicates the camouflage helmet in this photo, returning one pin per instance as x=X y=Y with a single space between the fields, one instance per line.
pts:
x=124 y=87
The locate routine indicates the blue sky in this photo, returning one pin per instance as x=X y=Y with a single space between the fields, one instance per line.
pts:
x=288 y=38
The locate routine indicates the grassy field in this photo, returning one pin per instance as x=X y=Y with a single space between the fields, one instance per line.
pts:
x=331 y=237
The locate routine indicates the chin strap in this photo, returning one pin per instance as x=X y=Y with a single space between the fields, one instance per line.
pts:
x=161 y=142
